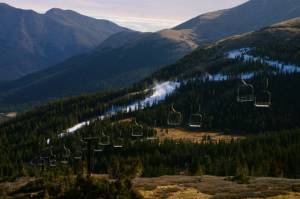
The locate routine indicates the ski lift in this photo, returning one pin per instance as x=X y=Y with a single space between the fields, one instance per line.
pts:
x=41 y=162
x=245 y=92
x=78 y=155
x=196 y=119
x=151 y=136
x=136 y=130
x=96 y=155
x=47 y=155
x=52 y=163
x=66 y=155
x=263 y=98
x=52 y=158
x=118 y=141
x=98 y=150
x=104 y=140
x=174 y=117
x=79 y=152
x=44 y=154
x=35 y=161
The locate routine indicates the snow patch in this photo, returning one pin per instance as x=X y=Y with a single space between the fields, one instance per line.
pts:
x=160 y=92
x=244 y=53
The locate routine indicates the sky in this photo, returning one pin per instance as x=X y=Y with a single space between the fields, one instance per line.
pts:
x=141 y=15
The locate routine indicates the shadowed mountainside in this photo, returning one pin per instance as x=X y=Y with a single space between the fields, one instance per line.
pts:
x=31 y=42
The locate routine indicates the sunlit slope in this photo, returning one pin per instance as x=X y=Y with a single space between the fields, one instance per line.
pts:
x=279 y=42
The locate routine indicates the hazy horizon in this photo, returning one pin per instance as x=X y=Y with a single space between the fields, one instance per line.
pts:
x=141 y=15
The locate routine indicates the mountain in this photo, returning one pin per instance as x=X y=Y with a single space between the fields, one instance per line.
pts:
x=278 y=44
x=114 y=64
x=251 y=140
x=128 y=57
x=247 y=17
x=30 y=42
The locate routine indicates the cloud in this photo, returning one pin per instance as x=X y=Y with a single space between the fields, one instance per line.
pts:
x=142 y=24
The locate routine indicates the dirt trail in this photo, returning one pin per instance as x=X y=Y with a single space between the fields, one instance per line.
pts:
x=189 y=187
x=193 y=187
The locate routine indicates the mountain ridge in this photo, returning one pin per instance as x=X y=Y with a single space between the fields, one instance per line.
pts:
x=31 y=41
x=246 y=17
x=268 y=42
x=129 y=57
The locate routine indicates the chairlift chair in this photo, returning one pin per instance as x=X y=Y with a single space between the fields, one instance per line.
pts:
x=136 y=130
x=263 y=98
x=66 y=155
x=78 y=158
x=33 y=162
x=98 y=150
x=52 y=158
x=196 y=119
x=44 y=154
x=41 y=162
x=151 y=137
x=47 y=155
x=78 y=155
x=245 y=92
x=174 y=117
x=52 y=163
x=104 y=140
x=118 y=141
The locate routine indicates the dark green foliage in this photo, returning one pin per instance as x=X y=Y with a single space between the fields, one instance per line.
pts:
x=274 y=154
x=221 y=111
x=31 y=187
x=80 y=188
x=265 y=155
x=286 y=48
x=91 y=188
x=271 y=154
x=119 y=168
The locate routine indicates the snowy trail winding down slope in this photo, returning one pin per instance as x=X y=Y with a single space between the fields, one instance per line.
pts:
x=160 y=92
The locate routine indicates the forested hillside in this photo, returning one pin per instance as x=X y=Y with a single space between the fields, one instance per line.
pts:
x=128 y=57
x=29 y=132
x=125 y=142
x=278 y=42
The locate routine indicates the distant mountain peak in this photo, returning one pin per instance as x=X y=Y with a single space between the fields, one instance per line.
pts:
x=60 y=11
x=5 y=5
x=30 y=41
x=252 y=15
